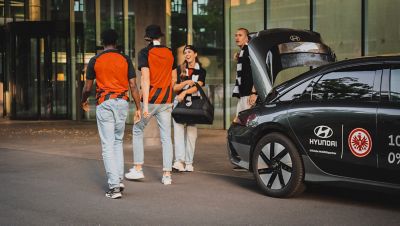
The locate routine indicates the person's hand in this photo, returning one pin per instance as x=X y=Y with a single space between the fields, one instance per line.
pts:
x=146 y=112
x=181 y=96
x=85 y=106
x=236 y=56
x=137 y=116
x=252 y=99
x=190 y=82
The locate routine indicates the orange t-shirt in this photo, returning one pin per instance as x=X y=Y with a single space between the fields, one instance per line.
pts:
x=112 y=71
x=161 y=62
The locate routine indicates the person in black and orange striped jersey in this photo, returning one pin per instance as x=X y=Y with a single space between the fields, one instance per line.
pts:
x=158 y=68
x=114 y=74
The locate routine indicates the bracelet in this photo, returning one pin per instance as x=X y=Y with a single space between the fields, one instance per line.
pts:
x=255 y=93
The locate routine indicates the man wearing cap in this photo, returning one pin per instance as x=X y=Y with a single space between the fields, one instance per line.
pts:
x=158 y=69
x=114 y=74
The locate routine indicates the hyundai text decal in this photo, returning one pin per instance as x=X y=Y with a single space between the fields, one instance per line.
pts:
x=323 y=132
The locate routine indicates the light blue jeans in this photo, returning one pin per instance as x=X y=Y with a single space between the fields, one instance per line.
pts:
x=162 y=112
x=111 y=116
x=185 y=137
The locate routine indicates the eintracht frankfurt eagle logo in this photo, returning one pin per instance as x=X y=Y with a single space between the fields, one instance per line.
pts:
x=360 y=142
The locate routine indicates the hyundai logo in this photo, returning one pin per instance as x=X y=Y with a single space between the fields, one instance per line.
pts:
x=323 y=132
x=294 y=38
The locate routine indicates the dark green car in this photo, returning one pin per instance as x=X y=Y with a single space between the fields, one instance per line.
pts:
x=337 y=123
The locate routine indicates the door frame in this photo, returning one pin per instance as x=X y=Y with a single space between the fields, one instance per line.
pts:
x=44 y=33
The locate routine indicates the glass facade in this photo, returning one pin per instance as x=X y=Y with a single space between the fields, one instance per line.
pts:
x=344 y=31
x=382 y=27
x=178 y=28
x=208 y=37
x=288 y=14
x=45 y=45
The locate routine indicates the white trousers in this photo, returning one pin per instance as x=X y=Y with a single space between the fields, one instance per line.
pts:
x=243 y=104
x=185 y=137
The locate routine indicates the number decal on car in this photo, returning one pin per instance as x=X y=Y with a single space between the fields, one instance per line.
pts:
x=394 y=158
x=394 y=141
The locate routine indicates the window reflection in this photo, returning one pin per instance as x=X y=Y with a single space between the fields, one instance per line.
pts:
x=112 y=17
x=350 y=85
x=208 y=37
x=178 y=28
x=395 y=85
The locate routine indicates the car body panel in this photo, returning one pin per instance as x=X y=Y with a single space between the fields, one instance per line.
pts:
x=306 y=122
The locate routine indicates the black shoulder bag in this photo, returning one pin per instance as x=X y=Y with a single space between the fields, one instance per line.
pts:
x=201 y=111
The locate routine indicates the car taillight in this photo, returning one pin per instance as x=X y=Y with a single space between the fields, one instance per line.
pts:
x=246 y=120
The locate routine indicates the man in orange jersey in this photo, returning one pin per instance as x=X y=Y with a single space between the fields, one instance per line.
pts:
x=114 y=74
x=158 y=68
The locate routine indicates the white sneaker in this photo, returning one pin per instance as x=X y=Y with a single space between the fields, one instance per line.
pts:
x=178 y=166
x=189 y=168
x=134 y=174
x=166 y=180
x=121 y=186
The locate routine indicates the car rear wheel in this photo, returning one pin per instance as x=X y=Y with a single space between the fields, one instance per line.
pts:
x=277 y=166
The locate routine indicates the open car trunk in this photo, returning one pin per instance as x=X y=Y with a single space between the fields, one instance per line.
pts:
x=274 y=50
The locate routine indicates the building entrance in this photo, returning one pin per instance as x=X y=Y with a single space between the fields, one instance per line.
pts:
x=37 y=74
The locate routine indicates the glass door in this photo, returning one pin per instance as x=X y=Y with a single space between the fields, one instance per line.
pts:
x=39 y=76
x=26 y=74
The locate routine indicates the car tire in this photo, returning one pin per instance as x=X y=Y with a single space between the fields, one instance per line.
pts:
x=277 y=166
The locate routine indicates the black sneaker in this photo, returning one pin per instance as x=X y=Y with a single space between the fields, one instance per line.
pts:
x=114 y=193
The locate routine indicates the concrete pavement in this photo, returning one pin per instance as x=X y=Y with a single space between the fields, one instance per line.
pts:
x=51 y=174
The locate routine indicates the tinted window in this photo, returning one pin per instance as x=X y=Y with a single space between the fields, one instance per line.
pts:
x=395 y=85
x=296 y=92
x=349 y=84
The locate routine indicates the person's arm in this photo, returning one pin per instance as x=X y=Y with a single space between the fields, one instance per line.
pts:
x=174 y=78
x=145 y=84
x=134 y=90
x=179 y=86
x=253 y=96
x=85 y=94
x=90 y=76
x=143 y=65
x=136 y=98
x=193 y=89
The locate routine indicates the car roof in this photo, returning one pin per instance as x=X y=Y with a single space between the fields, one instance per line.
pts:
x=340 y=64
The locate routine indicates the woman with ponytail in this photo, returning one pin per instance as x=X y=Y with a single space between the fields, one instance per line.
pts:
x=185 y=135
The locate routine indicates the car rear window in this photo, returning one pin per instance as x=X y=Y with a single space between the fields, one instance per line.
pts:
x=296 y=92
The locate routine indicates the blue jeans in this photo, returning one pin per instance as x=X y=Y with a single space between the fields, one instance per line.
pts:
x=162 y=112
x=111 y=116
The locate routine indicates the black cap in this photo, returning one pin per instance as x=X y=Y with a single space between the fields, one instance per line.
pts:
x=191 y=47
x=153 y=31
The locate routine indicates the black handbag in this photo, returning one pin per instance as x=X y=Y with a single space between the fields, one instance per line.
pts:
x=201 y=111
